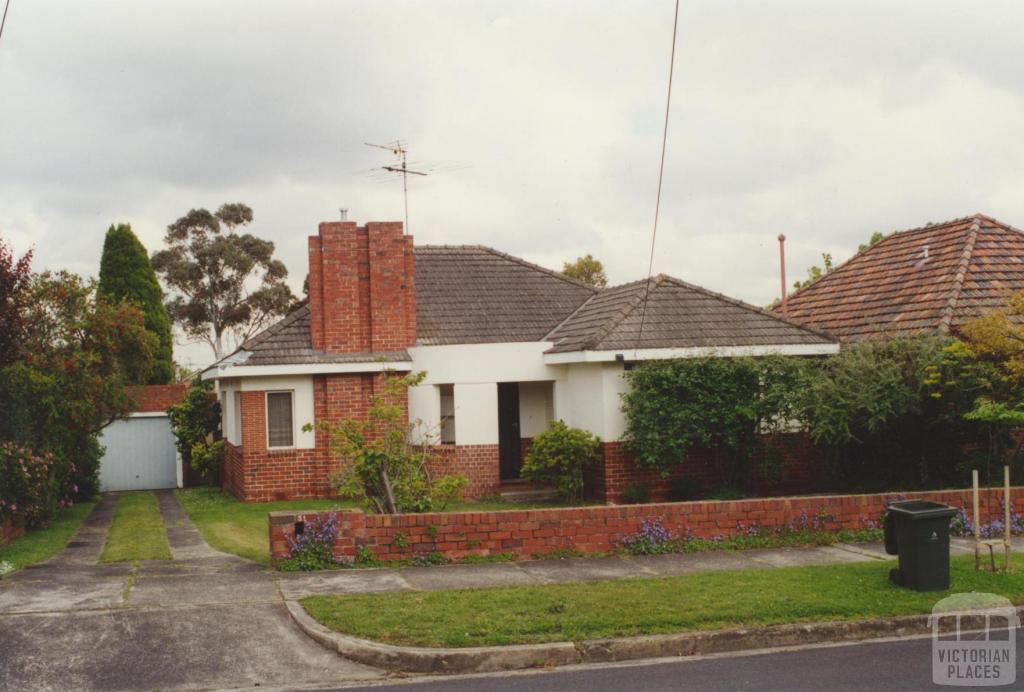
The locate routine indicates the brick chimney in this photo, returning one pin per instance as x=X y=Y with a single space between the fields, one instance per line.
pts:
x=362 y=295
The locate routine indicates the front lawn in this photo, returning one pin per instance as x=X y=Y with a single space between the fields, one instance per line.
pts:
x=232 y=526
x=43 y=543
x=710 y=600
x=238 y=527
x=138 y=531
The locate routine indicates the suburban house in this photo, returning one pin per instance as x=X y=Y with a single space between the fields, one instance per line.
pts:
x=507 y=346
x=923 y=281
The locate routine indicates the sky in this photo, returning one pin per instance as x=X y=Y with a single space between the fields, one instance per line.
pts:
x=540 y=124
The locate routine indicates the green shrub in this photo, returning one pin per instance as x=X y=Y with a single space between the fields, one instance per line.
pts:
x=195 y=422
x=30 y=488
x=379 y=465
x=559 y=456
x=684 y=489
x=636 y=494
x=725 y=492
x=310 y=558
x=207 y=458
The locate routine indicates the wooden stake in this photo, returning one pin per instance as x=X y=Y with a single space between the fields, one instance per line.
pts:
x=1006 y=512
x=977 y=522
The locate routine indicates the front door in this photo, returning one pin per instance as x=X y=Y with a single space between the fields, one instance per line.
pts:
x=509 y=451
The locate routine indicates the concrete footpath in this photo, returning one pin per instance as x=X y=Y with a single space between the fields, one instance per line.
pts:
x=295 y=585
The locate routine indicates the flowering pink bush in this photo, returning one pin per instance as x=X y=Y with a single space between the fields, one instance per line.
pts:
x=32 y=486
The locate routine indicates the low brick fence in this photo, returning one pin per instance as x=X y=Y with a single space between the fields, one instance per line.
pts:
x=526 y=533
x=9 y=530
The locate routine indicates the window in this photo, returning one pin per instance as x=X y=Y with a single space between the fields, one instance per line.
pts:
x=447 y=393
x=280 y=429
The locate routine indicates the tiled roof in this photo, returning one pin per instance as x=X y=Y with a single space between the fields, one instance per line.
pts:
x=677 y=315
x=922 y=281
x=471 y=294
x=288 y=342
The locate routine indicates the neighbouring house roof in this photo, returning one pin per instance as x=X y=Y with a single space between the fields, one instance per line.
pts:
x=923 y=281
x=470 y=294
x=676 y=315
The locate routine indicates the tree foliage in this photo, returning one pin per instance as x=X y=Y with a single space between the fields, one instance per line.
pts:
x=78 y=353
x=196 y=425
x=15 y=295
x=815 y=272
x=227 y=283
x=892 y=414
x=560 y=455
x=379 y=464
x=721 y=404
x=126 y=274
x=586 y=269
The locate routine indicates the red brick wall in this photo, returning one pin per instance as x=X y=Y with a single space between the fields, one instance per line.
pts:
x=255 y=474
x=9 y=530
x=361 y=288
x=478 y=463
x=601 y=528
x=156 y=397
x=798 y=457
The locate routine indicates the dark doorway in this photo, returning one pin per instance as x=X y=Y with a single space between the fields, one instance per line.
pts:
x=509 y=451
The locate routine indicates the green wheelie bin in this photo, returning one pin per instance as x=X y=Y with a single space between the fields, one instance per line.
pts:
x=918 y=531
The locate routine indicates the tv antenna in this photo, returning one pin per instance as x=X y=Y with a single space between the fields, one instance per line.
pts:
x=400 y=167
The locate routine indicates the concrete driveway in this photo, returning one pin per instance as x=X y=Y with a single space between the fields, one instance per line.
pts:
x=202 y=620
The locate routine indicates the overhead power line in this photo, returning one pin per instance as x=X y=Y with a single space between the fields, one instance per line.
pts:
x=3 y=22
x=661 y=175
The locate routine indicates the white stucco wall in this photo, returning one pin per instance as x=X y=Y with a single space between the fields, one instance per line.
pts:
x=476 y=414
x=536 y=407
x=301 y=387
x=229 y=420
x=588 y=398
x=475 y=370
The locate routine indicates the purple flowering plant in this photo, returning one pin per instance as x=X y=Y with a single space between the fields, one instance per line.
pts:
x=312 y=549
x=651 y=539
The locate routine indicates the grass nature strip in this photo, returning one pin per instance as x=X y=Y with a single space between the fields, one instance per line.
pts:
x=629 y=607
x=43 y=543
x=138 y=531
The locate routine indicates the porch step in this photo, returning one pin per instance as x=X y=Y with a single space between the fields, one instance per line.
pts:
x=524 y=492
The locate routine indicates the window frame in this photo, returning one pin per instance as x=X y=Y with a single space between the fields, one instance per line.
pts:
x=266 y=417
x=441 y=393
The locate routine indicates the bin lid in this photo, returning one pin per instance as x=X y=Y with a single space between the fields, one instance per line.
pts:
x=922 y=509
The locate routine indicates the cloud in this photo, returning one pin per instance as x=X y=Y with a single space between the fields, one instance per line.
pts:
x=542 y=121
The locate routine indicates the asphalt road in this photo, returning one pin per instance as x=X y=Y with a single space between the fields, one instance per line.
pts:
x=898 y=665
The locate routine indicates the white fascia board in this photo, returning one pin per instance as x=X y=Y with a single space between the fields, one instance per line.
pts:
x=691 y=352
x=304 y=369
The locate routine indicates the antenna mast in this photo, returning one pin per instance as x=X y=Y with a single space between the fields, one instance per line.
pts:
x=398 y=149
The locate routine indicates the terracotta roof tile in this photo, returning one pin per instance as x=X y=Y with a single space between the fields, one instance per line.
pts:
x=922 y=281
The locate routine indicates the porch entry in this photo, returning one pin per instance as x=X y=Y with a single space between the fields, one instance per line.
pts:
x=509 y=448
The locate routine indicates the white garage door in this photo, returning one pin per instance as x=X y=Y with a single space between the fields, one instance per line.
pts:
x=140 y=454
